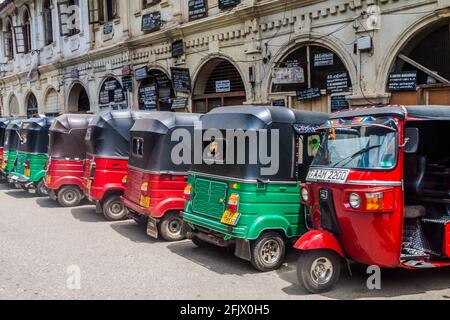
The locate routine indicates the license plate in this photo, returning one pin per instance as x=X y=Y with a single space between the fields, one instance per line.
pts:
x=328 y=175
x=230 y=218
x=152 y=228
x=145 y=202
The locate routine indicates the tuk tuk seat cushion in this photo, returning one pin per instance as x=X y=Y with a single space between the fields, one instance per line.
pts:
x=415 y=212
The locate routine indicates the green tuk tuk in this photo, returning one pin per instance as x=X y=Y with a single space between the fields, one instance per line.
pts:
x=11 y=143
x=245 y=191
x=29 y=168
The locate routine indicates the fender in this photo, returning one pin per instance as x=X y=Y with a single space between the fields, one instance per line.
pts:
x=169 y=204
x=102 y=191
x=39 y=176
x=269 y=222
x=66 y=181
x=319 y=239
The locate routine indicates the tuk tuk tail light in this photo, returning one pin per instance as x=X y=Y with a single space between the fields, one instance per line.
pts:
x=188 y=192
x=144 y=187
x=27 y=164
x=235 y=186
x=233 y=203
x=375 y=201
x=124 y=180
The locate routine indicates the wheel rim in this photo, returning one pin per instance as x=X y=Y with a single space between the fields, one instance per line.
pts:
x=116 y=208
x=271 y=251
x=322 y=271
x=174 y=226
x=69 y=196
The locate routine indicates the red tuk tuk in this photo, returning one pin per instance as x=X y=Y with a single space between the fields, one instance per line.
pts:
x=67 y=153
x=378 y=193
x=154 y=189
x=108 y=145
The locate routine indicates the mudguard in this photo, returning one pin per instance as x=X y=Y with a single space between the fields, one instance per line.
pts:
x=66 y=181
x=269 y=223
x=317 y=240
x=170 y=204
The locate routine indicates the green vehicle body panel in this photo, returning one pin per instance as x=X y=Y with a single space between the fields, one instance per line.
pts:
x=11 y=158
x=262 y=207
x=37 y=165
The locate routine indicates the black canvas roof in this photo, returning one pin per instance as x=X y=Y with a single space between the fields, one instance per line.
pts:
x=37 y=124
x=68 y=122
x=4 y=123
x=37 y=137
x=418 y=112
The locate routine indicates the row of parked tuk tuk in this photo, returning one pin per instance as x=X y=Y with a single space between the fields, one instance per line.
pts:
x=369 y=185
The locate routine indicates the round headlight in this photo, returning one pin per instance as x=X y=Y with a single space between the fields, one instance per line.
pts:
x=305 y=194
x=355 y=201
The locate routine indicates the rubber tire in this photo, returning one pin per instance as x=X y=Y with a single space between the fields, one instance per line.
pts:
x=200 y=243
x=256 y=246
x=69 y=204
x=304 y=270
x=107 y=205
x=41 y=189
x=164 y=228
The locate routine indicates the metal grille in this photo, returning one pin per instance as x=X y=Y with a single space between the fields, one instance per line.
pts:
x=224 y=71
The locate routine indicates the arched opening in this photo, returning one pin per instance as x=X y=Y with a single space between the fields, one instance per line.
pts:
x=311 y=77
x=14 y=110
x=413 y=78
x=78 y=101
x=218 y=84
x=8 y=40
x=48 y=22
x=155 y=91
x=112 y=95
x=52 y=104
x=31 y=104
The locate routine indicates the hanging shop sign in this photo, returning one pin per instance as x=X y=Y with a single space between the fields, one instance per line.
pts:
x=279 y=103
x=119 y=95
x=403 y=81
x=104 y=97
x=197 y=9
x=224 y=4
x=126 y=70
x=223 y=86
x=148 y=96
x=323 y=59
x=288 y=75
x=308 y=94
x=181 y=79
x=127 y=83
x=108 y=28
x=110 y=85
x=339 y=103
x=141 y=73
x=177 y=48
x=151 y=21
x=163 y=81
x=179 y=103
x=338 y=82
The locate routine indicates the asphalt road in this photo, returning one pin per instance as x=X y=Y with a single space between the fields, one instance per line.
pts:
x=47 y=252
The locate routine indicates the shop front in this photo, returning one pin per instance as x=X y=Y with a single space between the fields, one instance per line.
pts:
x=155 y=90
x=112 y=96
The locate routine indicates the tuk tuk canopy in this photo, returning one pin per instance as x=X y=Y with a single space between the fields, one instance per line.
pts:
x=152 y=145
x=288 y=123
x=3 y=125
x=67 y=136
x=34 y=135
x=108 y=134
x=11 y=140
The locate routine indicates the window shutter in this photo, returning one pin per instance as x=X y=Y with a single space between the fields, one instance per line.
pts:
x=8 y=44
x=64 y=17
x=20 y=39
x=94 y=17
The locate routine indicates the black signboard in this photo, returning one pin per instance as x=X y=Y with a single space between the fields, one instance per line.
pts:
x=104 y=97
x=338 y=82
x=141 y=73
x=323 y=59
x=177 y=48
x=224 y=4
x=197 y=9
x=279 y=103
x=151 y=21
x=181 y=79
x=118 y=95
x=339 y=103
x=110 y=85
x=127 y=83
x=108 y=28
x=403 y=81
x=162 y=81
x=148 y=96
x=308 y=94
x=179 y=103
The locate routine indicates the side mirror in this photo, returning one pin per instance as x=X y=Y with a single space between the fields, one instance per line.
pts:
x=411 y=140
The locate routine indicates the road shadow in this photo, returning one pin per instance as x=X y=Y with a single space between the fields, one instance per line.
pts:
x=21 y=194
x=133 y=231
x=6 y=186
x=395 y=283
x=47 y=203
x=216 y=259
x=87 y=214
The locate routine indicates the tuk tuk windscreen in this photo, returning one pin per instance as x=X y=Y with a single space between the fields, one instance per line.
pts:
x=68 y=145
x=2 y=137
x=359 y=143
x=11 y=141
x=34 y=141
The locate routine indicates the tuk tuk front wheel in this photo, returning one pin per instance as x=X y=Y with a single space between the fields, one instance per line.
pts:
x=268 y=251
x=69 y=196
x=114 y=209
x=319 y=270
x=172 y=227
x=41 y=189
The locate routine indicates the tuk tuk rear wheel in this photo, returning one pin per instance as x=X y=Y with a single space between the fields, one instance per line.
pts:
x=319 y=270
x=114 y=209
x=41 y=189
x=172 y=227
x=69 y=196
x=268 y=251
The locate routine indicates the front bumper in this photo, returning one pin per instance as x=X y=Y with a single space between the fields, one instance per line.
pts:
x=137 y=208
x=21 y=180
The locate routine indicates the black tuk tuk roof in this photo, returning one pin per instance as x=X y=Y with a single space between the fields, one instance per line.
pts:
x=108 y=134
x=3 y=124
x=403 y=112
x=11 y=141
x=259 y=117
x=67 y=135
x=34 y=135
x=15 y=124
x=155 y=154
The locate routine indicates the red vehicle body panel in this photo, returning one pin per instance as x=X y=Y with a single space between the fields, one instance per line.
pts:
x=1 y=153
x=165 y=192
x=109 y=173
x=319 y=239
x=65 y=173
x=447 y=240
